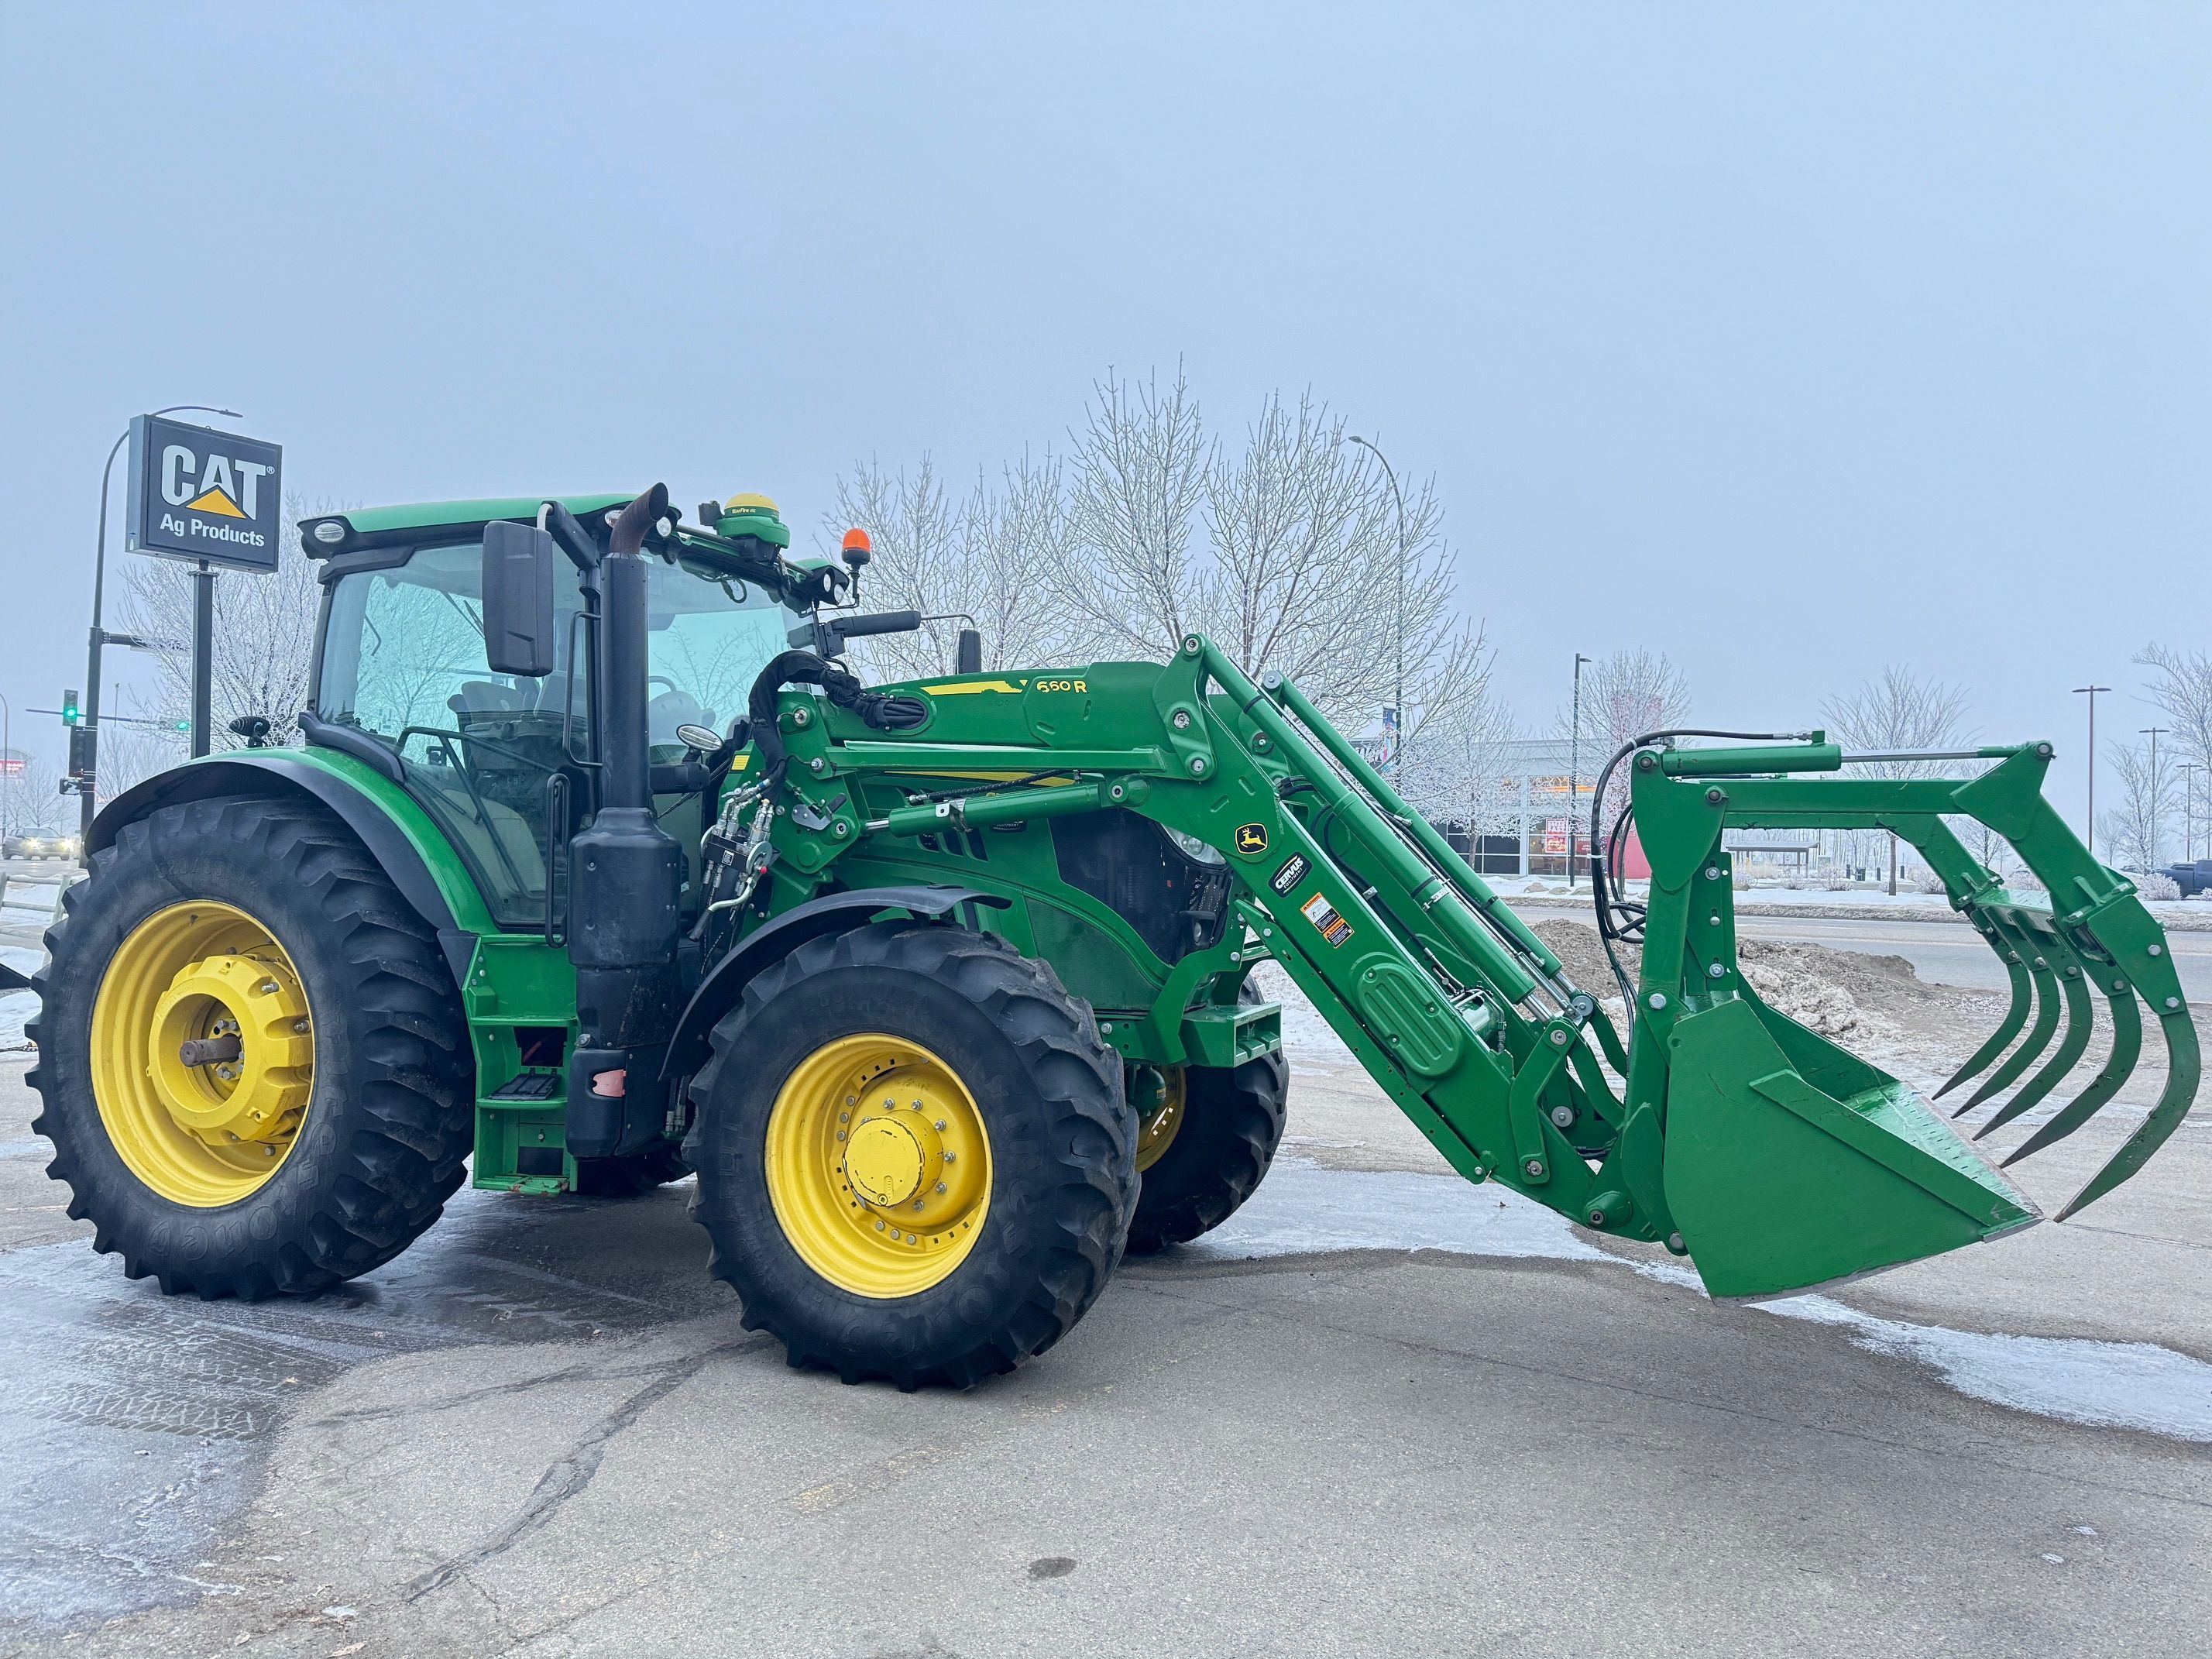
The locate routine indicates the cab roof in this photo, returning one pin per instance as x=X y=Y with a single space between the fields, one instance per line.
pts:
x=365 y=526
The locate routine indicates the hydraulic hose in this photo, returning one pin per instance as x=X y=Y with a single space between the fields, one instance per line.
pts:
x=1600 y=894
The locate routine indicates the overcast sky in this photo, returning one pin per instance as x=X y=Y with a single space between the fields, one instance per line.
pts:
x=1789 y=339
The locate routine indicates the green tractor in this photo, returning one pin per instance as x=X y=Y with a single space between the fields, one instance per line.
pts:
x=599 y=867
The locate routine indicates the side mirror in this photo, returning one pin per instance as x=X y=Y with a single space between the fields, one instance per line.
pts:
x=518 y=600
x=968 y=652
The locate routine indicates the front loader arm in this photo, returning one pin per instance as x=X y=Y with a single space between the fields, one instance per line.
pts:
x=1735 y=1135
x=1451 y=1003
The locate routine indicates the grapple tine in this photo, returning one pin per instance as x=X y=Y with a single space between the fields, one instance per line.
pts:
x=2047 y=1003
x=2137 y=947
x=2182 y=1064
x=2079 y=1019
x=2127 y=1045
x=2015 y=1016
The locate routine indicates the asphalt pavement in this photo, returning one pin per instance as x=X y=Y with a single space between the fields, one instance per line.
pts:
x=1382 y=1412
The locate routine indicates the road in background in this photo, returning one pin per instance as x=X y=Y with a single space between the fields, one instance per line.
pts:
x=1949 y=953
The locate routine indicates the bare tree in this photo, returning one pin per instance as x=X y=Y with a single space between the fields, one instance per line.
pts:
x=1458 y=773
x=136 y=741
x=264 y=633
x=1624 y=696
x=2135 y=829
x=2183 y=692
x=1141 y=464
x=995 y=557
x=31 y=804
x=1284 y=549
x=1896 y=710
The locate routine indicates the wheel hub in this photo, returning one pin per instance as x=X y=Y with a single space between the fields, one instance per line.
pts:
x=259 y=1096
x=884 y=1161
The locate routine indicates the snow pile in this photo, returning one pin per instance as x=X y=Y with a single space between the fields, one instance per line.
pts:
x=1822 y=1006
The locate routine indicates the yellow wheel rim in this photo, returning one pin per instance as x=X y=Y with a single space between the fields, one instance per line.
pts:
x=203 y=1135
x=879 y=1165
x=1158 y=1093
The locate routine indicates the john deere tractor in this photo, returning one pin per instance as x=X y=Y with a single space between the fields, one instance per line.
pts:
x=600 y=866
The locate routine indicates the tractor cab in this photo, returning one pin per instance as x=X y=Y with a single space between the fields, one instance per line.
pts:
x=502 y=762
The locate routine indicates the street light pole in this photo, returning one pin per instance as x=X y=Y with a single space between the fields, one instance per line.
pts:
x=1575 y=771
x=1398 y=688
x=2189 y=770
x=91 y=721
x=2157 y=815
x=2092 y=691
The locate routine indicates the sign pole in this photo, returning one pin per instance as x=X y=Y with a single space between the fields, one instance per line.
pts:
x=203 y=658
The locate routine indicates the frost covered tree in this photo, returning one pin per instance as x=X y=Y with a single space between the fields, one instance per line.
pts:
x=1457 y=773
x=1897 y=710
x=137 y=739
x=2135 y=831
x=1284 y=548
x=264 y=635
x=32 y=802
x=1623 y=695
x=997 y=555
x=2183 y=692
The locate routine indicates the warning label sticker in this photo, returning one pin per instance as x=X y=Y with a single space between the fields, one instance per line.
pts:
x=1333 y=928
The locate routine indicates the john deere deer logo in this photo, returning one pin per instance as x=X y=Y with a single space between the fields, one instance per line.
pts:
x=1251 y=838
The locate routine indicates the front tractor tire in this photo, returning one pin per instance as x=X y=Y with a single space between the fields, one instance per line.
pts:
x=1204 y=1145
x=915 y=1161
x=252 y=1061
x=1205 y=1137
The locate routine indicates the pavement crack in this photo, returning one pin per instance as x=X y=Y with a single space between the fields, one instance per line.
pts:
x=490 y=1391
x=571 y=1473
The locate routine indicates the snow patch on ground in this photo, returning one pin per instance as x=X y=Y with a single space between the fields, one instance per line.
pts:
x=16 y=1006
x=1303 y=1209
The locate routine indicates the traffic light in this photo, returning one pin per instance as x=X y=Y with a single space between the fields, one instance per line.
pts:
x=72 y=710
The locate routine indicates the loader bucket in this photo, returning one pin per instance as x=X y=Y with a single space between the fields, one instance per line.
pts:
x=1791 y=1164
x=1788 y=1162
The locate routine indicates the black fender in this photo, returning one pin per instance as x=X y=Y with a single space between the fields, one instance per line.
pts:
x=830 y=913
x=272 y=770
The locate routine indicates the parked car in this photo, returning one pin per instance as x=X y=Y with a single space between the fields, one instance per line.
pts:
x=2191 y=878
x=38 y=845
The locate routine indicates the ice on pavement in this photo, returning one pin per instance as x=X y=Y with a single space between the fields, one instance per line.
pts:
x=1303 y=1209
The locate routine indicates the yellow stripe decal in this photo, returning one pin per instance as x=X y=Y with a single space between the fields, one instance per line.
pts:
x=972 y=688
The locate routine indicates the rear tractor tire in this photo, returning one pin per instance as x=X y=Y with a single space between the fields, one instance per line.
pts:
x=1206 y=1135
x=252 y=1059
x=915 y=1161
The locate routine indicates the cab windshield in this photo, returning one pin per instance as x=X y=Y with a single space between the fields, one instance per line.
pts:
x=403 y=665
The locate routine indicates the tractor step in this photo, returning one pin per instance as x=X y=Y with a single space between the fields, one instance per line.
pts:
x=533 y=1087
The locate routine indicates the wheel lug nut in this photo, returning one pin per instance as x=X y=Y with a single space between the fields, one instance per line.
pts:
x=940 y=1126
x=940 y=1188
